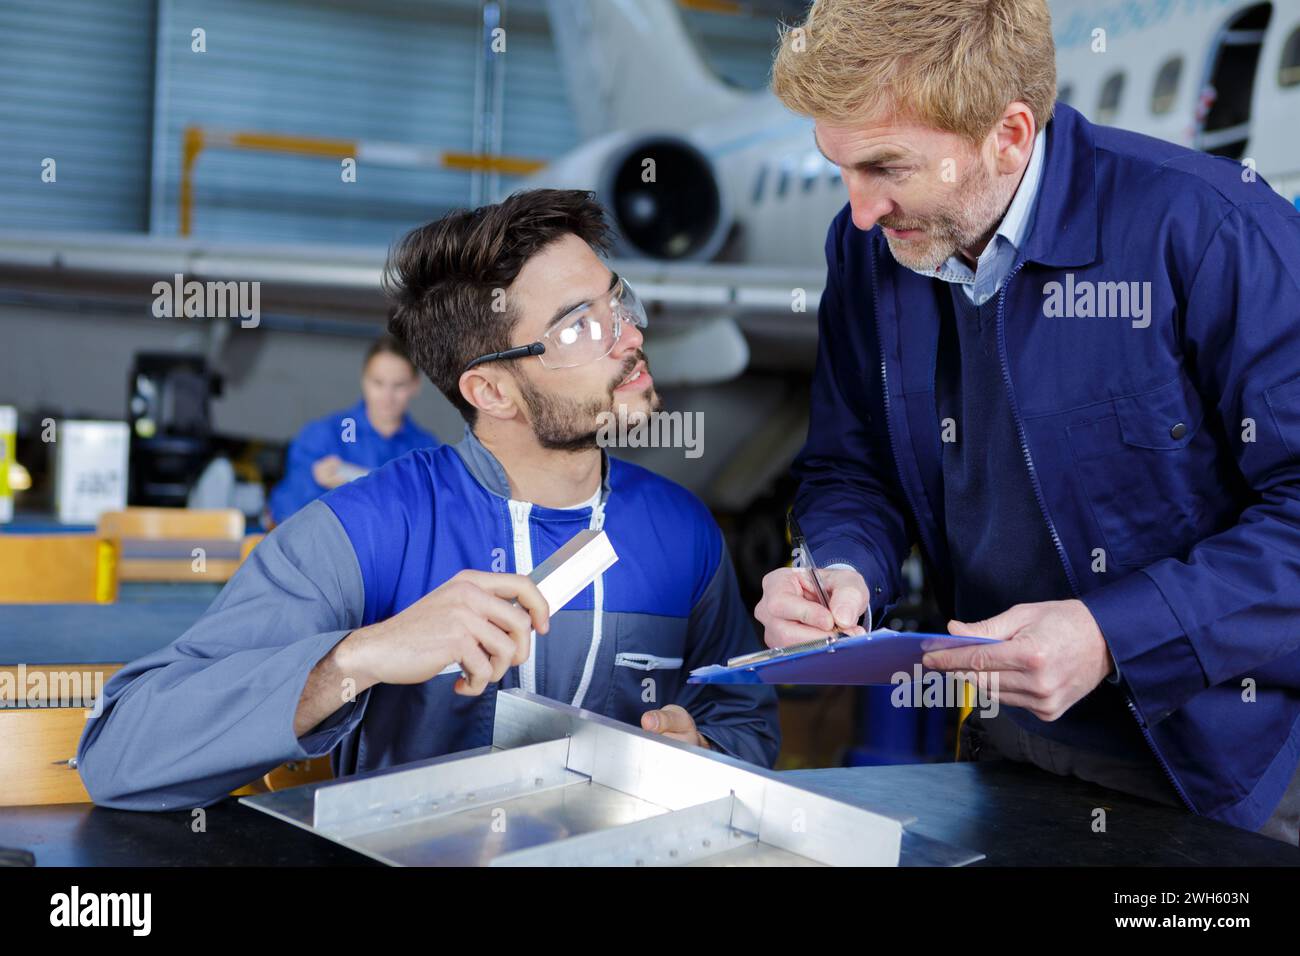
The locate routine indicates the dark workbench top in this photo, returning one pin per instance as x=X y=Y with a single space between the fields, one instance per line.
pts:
x=1018 y=815
x=1015 y=814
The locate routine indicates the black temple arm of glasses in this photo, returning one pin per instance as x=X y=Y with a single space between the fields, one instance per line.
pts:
x=519 y=351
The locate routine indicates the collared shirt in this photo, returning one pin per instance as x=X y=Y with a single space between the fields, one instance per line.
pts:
x=999 y=255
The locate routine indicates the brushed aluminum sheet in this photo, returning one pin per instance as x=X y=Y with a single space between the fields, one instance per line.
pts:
x=562 y=786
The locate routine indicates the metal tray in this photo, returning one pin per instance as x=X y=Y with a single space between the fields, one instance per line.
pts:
x=560 y=786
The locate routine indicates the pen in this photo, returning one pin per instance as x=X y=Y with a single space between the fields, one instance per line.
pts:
x=803 y=555
x=803 y=558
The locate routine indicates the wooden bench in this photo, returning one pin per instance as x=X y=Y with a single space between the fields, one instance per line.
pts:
x=175 y=544
x=57 y=569
x=40 y=740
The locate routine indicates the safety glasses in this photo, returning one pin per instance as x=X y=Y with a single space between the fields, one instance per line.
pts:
x=584 y=334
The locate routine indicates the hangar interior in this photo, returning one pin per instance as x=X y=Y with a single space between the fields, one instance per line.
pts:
x=197 y=198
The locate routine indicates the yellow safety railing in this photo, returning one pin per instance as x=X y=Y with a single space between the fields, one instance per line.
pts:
x=196 y=139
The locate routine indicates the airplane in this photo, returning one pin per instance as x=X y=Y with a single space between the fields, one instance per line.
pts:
x=747 y=183
x=730 y=259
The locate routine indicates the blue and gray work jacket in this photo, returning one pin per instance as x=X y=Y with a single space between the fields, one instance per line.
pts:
x=184 y=726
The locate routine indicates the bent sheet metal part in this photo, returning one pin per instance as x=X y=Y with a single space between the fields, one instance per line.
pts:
x=563 y=786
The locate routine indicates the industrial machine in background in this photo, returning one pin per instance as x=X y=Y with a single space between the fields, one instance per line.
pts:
x=169 y=411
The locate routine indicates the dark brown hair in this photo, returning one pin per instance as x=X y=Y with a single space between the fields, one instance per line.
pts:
x=388 y=344
x=443 y=278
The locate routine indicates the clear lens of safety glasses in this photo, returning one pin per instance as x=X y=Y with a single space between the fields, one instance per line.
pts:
x=589 y=332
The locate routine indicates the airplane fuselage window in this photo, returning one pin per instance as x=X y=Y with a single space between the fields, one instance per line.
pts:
x=1165 y=93
x=812 y=166
x=1288 y=70
x=1111 y=93
x=783 y=180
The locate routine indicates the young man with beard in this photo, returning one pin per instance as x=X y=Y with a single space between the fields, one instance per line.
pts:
x=334 y=635
x=1112 y=488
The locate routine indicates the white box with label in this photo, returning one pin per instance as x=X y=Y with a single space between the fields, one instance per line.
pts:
x=90 y=465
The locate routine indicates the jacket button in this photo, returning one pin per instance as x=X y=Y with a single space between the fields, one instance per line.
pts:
x=1178 y=431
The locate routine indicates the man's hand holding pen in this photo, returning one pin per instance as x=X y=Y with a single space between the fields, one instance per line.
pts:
x=790 y=611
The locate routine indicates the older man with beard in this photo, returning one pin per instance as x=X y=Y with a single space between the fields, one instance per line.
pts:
x=1109 y=485
x=336 y=636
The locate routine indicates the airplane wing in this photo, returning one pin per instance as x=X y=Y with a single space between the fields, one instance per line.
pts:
x=712 y=321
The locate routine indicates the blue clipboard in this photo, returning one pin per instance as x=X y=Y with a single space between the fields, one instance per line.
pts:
x=873 y=658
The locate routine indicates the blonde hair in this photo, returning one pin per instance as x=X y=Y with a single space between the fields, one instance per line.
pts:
x=950 y=64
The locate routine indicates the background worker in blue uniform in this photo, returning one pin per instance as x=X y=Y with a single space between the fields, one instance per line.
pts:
x=339 y=447
x=333 y=636
x=1063 y=359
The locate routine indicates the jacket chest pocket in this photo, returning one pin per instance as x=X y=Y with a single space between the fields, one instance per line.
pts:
x=647 y=662
x=1144 y=464
x=648 y=667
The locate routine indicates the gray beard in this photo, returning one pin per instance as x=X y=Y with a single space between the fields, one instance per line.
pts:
x=972 y=218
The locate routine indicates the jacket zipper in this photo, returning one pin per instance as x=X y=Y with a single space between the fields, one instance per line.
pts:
x=523 y=555
x=597 y=614
x=520 y=512
x=1051 y=526
x=889 y=421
